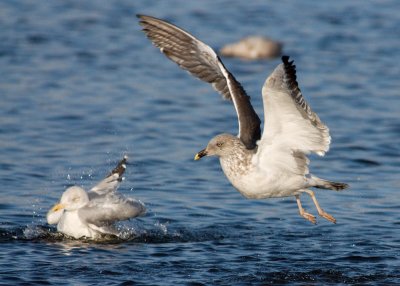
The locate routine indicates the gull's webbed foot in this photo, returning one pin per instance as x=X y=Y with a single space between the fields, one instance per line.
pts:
x=327 y=216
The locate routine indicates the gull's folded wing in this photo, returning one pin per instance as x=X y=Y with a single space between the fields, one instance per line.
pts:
x=109 y=210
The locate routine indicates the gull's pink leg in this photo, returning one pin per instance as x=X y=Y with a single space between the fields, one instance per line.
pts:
x=321 y=212
x=303 y=213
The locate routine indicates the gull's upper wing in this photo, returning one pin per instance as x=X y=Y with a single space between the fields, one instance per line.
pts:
x=289 y=120
x=111 y=208
x=105 y=206
x=291 y=128
x=111 y=182
x=202 y=62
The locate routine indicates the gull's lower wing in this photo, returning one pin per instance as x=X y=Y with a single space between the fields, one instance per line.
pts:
x=289 y=120
x=202 y=62
x=111 y=209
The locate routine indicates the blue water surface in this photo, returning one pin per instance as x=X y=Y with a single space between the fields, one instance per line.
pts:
x=81 y=86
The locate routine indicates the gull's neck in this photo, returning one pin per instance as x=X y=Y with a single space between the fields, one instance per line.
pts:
x=237 y=162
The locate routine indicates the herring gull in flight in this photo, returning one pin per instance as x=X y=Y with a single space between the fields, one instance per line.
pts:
x=92 y=214
x=269 y=166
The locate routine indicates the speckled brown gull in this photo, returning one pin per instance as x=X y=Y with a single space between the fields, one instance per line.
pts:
x=92 y=214
x=274 y=165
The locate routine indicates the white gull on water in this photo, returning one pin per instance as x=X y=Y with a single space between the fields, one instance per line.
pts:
x=92 y=214
x=269 y=166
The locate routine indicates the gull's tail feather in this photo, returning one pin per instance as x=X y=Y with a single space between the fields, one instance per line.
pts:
x=328 y=185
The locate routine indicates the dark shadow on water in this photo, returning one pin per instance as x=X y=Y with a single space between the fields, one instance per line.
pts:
x=156 y=234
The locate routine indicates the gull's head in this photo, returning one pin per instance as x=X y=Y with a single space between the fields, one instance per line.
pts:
x=222 y=145
x=72 y=199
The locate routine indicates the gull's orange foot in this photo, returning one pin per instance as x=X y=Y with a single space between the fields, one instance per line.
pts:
x=308 y=216
x=327 y=216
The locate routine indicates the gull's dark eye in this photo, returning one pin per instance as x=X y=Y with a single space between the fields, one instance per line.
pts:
x=219 y=144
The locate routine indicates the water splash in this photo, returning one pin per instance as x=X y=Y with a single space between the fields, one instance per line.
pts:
x=136 y=232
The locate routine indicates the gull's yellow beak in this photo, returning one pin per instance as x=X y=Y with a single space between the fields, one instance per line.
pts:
x=58 y=207
x=200 y=155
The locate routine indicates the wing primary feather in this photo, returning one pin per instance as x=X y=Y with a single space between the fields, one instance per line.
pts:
x=185 y=50
x=290 y=80
x=120 y=168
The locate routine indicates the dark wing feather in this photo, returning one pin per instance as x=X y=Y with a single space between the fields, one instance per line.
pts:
x=185 y=50
x=120 y=168
x=290 y=79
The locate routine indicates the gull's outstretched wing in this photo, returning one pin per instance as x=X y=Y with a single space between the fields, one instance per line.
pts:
x=109 y=209
x=111 y=182
x=288 y=117
x=202 y=62
x=290 y=126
